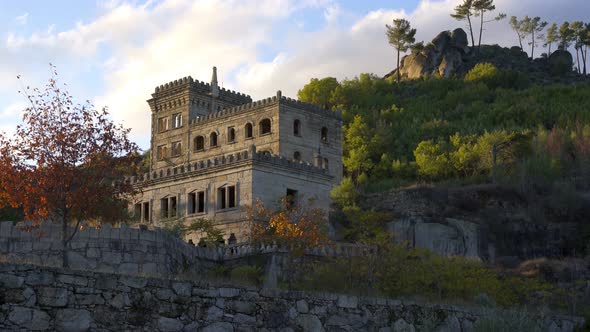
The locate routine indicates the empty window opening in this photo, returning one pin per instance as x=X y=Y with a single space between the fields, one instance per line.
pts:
x=146 y=212
x=213 y=139
x=264 y=126
x=248 y=130
x=232 y=239
x=291 y=198
x=325 y=164
x=226 y=197
x=162 y=152
x=231 y=134
x=164 y=208
x=172 y=207
x=163 y=124
x=137 y=212
x=266 y=153
x=199 y=143
x=177 y=120
x=176 y=149
x=196 y=202
x=297 y=128
x=324 y=134
x=297 y=156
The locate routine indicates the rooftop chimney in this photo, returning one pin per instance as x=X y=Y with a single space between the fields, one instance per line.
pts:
x=214 y=86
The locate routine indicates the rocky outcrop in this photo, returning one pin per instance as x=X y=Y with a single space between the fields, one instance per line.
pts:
x=449 y=55
x=443 y=56
x=106 y=302
x=486 y=222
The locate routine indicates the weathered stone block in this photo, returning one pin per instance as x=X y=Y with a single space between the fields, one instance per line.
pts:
x=53 y=296
x=72 y=280
x=214 y=313
x=128 y=268
x=31 y=319
x=219 y=327
x=182 y=288
x=169 y=324
x=11 y=281
x=302 y=306
x=229 y=292
x=309 y=322
x=346 y=301
x=73 y=320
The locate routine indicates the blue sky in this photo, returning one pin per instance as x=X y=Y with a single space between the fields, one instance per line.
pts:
x=114 y=52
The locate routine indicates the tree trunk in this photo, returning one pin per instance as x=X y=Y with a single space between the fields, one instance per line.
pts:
x=533 y=45
x=480 y=31
x=520 y=40
x=578 y=60
x=585 y=58
x=64 y=241
x=549 y=51
x=471 y=31
x=399 y=75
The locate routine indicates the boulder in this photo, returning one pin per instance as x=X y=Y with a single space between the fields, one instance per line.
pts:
x=30 y=319
x=73 y=320
x=459 y=40
x=309 y=322
x=450 y=63
x=560 y=62
x=441 y=41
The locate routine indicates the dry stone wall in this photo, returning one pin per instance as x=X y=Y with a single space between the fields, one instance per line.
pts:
x=35 y=298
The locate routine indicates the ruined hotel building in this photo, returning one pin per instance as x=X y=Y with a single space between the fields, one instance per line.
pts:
x=213 y=151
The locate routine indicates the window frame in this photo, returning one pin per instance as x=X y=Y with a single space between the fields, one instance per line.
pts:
x=261 y=127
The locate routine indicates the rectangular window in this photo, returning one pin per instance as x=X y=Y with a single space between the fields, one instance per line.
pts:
x=196 y=202
x=164 y=208
x=226 y=197
x=291 y=198
x=231 y=134
x=176 y=149
x=200 y=202
x=163 y=124
x=137 y=212
x=146 y=212
x=172 y=207
x=177 y=120
x=162 y=152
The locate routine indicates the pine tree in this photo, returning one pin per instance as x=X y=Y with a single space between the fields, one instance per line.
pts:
x=566 y=36
x=578 y=29
x=518 y=27
x=401 y=36
x=552 y=36
x=464 y=12
x=481 y=7
x=533 y=27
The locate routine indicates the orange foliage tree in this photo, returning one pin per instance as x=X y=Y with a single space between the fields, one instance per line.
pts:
x=60 y=164
x=294 y=224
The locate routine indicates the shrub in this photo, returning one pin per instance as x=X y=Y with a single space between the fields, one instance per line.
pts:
x=484 y=71
x=247 y=274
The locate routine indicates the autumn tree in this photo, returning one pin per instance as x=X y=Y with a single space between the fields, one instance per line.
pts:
x=533 y=27
x=480 y=7
x=294 y=223
x=401 y=36
x=464 y=12
x=60 y=164
x=551 y=36
x=319 y=92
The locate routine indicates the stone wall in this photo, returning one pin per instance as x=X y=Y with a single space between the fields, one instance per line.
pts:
x=36 y=298
x=134 y=251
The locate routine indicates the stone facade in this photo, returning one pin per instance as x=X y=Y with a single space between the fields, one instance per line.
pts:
x=214 y=151
x=43 y=299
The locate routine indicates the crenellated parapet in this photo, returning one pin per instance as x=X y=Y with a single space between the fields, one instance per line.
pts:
x=207 y=165
x=201 y=88
x=228 y=112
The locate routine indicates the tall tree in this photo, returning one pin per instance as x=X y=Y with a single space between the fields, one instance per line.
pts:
x=533 y=26
x=61 y=162
x=585 y=45
x=552 y=36
x=401 y=36
x=481 y=7
x=319 y=92
x=566 y=36
x=518 y=27
x=464 y=12
x=579 y=30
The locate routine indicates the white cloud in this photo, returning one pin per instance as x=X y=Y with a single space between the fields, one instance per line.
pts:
x=22 y=19
x=135 y=47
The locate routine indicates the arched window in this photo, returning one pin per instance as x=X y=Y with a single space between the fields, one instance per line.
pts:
x=248 y=130
x=297 y=156
x=213 y=139
x=264 y=126
x=297 y=128
x=324 y=135
x=199 y=143
x=231 y=134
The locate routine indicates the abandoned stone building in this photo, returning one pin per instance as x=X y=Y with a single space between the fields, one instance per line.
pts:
x=213 y=151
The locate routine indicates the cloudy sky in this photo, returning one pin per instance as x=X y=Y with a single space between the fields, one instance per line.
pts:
x=115 y=52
